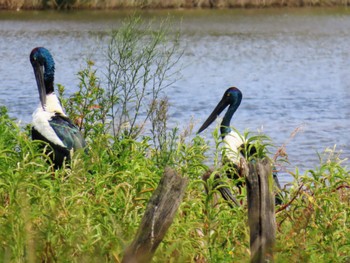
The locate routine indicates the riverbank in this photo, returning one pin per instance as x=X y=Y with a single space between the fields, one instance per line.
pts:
x=159 y=4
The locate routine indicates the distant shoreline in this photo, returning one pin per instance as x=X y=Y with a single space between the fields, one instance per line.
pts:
x=159 y=4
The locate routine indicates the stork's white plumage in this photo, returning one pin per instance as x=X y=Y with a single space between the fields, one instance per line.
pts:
x=43 y=114
x=232 y=143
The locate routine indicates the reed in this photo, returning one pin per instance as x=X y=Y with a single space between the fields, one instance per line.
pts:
x=160 y=4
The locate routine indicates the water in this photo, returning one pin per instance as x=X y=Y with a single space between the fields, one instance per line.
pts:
x=292 y=66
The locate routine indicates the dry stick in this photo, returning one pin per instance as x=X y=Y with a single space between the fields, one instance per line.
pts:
x=158 y=217
x=261 y=210
x=283 y=207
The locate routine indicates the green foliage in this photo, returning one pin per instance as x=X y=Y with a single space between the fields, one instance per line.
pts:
x=314 y=224
x=89 y=107
x=90 y=211
x=255 y=146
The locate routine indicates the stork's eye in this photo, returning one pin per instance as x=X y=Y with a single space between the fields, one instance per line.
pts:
x=34 y=58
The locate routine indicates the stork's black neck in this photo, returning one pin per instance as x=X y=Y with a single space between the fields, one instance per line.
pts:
x=49 y=86
x=226 y=121
x=49 y=74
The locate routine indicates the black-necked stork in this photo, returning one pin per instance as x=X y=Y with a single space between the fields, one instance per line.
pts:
x=233 y=149
x=50 y=124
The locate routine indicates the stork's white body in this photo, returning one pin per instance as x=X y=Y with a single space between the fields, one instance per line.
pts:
x=41 y=118
x=231 y=144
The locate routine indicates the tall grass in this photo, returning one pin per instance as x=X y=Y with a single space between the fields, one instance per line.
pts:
x=90 y=210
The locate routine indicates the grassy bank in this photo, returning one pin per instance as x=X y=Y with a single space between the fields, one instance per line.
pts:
x=154 y=4
x=89 y=211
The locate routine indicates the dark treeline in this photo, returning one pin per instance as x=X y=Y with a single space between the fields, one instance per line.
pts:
x=159 y=4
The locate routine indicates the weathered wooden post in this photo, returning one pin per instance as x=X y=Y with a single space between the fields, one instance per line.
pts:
x=261 y=209
x=158 y=217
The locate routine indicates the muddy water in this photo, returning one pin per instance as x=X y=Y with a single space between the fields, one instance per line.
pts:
x=291 y=65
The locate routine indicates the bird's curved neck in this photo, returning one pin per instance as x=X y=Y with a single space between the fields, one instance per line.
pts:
x=226 y=121
x=48 y=64
x=49 y=77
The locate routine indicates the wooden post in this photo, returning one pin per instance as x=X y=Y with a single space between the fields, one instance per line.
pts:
x=158 y=217
x=261 y=210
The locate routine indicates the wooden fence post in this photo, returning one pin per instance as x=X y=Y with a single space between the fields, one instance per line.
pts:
x=261 y=209
x=157 y=218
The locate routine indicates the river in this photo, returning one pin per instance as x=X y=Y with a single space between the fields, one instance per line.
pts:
x=292 y=66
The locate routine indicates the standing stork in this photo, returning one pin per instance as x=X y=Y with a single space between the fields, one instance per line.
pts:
x=50 y=124
x=233 y=148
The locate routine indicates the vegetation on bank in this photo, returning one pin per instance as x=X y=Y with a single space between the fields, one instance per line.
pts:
x=154 y=4
x=90 y=210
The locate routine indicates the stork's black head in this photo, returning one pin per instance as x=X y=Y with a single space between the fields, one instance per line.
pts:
x=232 y=97
x=44 y=70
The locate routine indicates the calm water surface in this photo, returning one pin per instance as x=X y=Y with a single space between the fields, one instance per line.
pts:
x=293 y=67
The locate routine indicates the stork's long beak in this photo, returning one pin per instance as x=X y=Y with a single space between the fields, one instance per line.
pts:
x=218 y=109
x=39 y=76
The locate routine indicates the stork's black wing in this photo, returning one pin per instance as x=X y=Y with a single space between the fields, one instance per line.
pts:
x=67 y=132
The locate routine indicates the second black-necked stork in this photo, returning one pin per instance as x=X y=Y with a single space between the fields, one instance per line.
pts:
x=233 y=149
x=50 y=124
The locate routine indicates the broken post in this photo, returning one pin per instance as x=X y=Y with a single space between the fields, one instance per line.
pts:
x=261 y=209
x=157 y=218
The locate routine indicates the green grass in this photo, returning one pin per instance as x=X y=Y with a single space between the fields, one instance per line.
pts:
x=90 y=211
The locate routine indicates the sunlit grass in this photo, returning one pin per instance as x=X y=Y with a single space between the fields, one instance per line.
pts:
x=90 y=211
